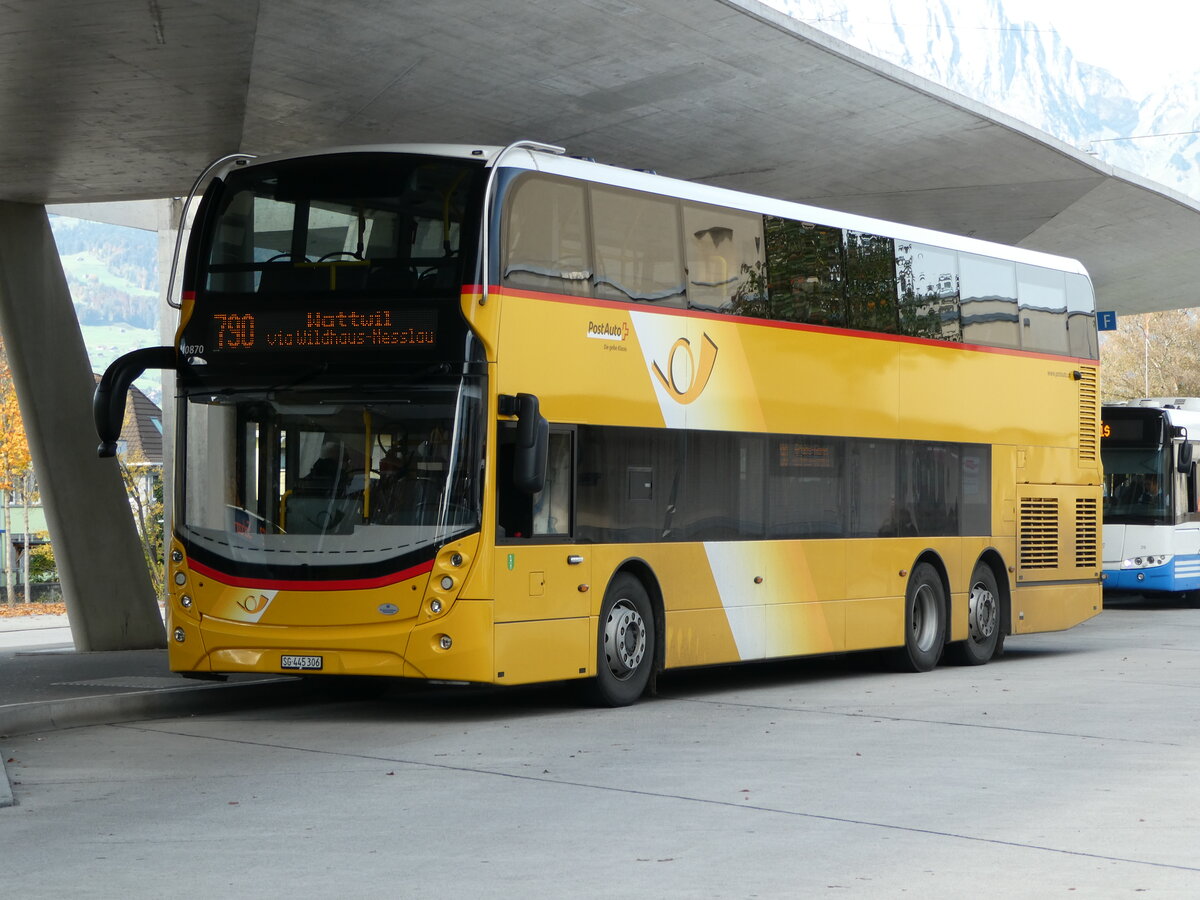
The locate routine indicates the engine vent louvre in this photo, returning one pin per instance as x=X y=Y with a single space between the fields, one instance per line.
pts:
x=1089 y=409
x=1039 y=533
x=1087 y=533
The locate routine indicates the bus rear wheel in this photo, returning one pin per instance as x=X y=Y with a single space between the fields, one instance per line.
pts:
x=983 y=620
x=924 y=620
x=625 y=643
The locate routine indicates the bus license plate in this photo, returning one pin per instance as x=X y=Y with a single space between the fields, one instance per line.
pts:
x=301 y=662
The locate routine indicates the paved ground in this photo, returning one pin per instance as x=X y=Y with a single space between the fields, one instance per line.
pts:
x=1069 y=768
x=45 y=684
x=33 y=632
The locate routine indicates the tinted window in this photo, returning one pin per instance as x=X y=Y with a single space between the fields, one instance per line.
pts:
x=721 y=496
x=627 y=477
x=1081 y=317
x=928 y=287
x=807 y=487
x=989 y=301
x=872 y=507
x=637 y=250
x=804 y=273
x=664 y=485
x=546 y=246
x=724 y=255
x=871 y=282
x=1043 y=309
x=342 y=223
x=930 y=480
x=595 y=240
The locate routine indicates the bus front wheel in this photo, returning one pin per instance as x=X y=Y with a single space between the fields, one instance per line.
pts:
x=924 y=620
x=625 y=643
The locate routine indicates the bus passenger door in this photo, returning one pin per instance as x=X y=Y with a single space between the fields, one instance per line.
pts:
x=542 y=579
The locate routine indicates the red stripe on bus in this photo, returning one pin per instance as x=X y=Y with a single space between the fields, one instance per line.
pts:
x=789 y=326
x=348 y=584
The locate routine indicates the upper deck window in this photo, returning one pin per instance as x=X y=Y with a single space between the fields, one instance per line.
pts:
x=568 y=238
x=724 y=252
x=342 y=223
x=804 y=273
x=1081 y=318
x=638 y=256
x=574 y=237
x=928 y=289
x=989 y=301
x=547 y=242
x=1043 y=308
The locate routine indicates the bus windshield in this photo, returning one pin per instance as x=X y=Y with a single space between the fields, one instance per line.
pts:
x=342 y=223
x=1137 y=485
x=290 y=478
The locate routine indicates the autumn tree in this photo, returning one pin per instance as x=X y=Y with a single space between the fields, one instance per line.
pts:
x=16 y=468
x=144 y=485
x=1152 y=355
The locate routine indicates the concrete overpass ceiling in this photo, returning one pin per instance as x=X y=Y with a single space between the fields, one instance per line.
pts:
x=107 y=101
x=104 y=101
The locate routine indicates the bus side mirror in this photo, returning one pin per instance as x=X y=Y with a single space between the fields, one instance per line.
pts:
x=1184 y=463
x=108 y=403
x=533 y=439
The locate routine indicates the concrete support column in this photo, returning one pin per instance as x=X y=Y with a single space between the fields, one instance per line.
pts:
x=109 y=599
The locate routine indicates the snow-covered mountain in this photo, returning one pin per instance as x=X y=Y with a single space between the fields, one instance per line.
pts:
x=1029 y=73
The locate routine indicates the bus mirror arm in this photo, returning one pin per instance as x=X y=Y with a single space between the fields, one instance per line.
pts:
x=108 y=403
x=533 y=438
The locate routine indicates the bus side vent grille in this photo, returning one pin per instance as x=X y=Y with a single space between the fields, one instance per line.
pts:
x=1089 y=408
x=1087 y=532
x=1039 y=533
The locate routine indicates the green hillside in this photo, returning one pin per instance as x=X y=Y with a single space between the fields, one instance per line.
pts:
x=112 y=273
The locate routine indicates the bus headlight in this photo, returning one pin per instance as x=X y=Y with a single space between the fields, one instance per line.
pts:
x=1149 y=561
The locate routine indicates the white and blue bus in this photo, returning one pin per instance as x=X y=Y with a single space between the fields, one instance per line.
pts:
x=1151 y=514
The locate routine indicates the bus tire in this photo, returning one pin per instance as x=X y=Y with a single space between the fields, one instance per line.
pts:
x=625 y=643
x=983 y=620
x=924 y=620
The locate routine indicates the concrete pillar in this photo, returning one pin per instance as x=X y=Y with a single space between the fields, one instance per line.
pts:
x=109 y=599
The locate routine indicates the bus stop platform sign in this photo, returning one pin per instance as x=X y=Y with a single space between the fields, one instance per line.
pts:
x=1106 y=321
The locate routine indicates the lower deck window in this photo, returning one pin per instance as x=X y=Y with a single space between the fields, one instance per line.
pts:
x=641 y=485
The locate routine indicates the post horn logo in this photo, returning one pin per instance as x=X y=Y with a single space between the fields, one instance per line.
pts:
x=254 y=604
x=700 y=374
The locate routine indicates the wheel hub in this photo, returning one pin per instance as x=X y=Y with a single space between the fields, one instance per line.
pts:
x=983 y=613
x=624 y=639
x=924 y=617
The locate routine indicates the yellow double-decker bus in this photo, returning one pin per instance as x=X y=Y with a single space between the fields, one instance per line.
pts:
x=503 y=416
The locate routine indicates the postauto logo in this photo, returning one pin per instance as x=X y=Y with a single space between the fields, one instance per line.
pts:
x=608 y=331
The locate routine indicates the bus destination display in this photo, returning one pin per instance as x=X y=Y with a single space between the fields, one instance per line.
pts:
x=1136 y=430
x=273 y=330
